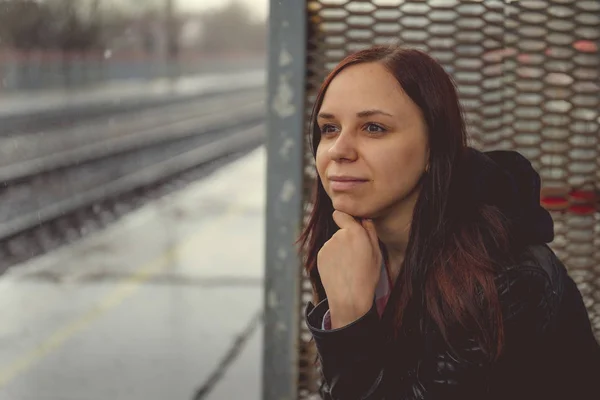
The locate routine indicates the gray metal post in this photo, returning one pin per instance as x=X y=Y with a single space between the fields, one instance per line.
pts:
x=285 y=148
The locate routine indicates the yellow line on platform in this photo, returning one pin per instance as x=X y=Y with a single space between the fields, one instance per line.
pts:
x=125 y=288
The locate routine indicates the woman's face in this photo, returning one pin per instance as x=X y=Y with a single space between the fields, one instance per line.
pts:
x=374 y=147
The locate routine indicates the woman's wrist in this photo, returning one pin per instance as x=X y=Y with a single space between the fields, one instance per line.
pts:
x=345 y=315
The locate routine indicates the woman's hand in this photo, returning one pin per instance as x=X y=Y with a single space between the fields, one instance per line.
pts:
x=350 y=265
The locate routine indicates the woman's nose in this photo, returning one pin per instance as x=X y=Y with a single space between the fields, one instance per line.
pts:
x=344 y=148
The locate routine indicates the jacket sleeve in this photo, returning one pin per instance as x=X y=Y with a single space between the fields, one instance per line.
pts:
x=353 y=358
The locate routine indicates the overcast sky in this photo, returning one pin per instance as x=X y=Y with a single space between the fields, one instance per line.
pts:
x=260 y=8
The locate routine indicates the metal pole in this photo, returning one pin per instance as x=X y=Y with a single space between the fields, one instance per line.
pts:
x=285 y=151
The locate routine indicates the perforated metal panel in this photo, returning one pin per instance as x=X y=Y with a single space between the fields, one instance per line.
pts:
x=528 y=73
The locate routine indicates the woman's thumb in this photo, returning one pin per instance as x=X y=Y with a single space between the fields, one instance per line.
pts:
x=370 y=228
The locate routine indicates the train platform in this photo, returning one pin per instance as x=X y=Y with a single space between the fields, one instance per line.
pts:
x=121 y=92
x=150 y=308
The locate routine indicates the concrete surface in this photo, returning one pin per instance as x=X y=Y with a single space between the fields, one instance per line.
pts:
x=147 y=308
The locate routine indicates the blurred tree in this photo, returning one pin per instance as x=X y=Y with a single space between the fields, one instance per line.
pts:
x=74 y=30
x=230 y=29
x=24 y=24
x=172 y=29
x=51 y=24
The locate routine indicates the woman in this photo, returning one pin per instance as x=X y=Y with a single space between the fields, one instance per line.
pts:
x=431 y=274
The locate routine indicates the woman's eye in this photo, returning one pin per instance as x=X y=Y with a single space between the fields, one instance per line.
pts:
x=374 y=128
x=327 y=128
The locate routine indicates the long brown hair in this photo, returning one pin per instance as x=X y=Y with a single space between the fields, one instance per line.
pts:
x=454 y=244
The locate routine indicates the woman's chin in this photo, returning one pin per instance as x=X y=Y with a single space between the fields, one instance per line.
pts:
x=352 y=209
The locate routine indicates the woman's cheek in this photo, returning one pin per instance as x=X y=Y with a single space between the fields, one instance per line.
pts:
x=321 y=162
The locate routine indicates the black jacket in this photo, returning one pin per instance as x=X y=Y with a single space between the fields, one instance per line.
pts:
x=549 y=353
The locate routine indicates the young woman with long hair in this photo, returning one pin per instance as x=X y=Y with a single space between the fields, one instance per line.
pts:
x=429 y=261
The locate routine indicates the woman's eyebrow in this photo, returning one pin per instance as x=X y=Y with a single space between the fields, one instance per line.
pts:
x=369 y=113
x=361 y=114
x=325 y=116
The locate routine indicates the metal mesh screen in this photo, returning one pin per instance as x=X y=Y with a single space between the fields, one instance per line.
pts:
x=528 y=73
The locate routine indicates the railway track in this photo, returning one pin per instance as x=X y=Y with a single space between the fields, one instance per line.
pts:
x=75 y=182
x=77 y=109
x=42 y=121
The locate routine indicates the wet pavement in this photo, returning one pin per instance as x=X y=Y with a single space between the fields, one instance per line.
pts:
x=148 y=308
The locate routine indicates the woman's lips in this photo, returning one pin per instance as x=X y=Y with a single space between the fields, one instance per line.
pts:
x=342 y=184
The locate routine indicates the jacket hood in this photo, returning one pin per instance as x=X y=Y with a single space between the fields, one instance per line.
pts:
x=507 y=180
